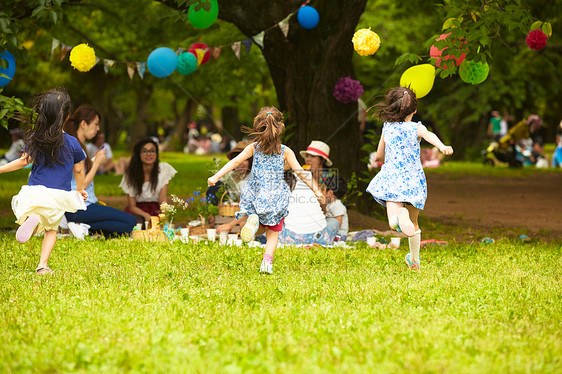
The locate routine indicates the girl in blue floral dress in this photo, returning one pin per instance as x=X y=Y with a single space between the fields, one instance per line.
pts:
x=265 y=197
x=400 y=185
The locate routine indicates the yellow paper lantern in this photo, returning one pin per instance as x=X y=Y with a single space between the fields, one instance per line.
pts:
x=82 y=57
x=419 y=79
x=366 y=42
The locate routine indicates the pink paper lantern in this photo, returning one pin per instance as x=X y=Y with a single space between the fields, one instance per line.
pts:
x=435 y=52
x=536 y=39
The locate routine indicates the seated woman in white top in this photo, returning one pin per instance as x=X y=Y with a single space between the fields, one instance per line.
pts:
x=146 y=180
x=306 y=222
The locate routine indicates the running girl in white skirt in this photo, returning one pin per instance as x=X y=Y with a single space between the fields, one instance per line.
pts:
x=56 y=156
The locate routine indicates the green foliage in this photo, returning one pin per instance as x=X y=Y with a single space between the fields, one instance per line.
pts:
x=10 y=107
x=128 y=306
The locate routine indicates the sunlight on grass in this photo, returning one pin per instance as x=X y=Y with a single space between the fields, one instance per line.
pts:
x=120 y=305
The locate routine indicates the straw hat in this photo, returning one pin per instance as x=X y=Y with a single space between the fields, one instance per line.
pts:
x=318 y=148
x=237 y=149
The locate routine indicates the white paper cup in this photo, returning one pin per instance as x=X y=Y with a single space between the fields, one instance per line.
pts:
x=232 y=237
x=371 y=240
x=194 y=239
x=211 y=234
x=223 y=235
x=146 y=225
x=184 y=232
x=238 y=242
x=395 y=241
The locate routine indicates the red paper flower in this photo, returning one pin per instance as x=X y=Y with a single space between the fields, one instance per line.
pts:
x=536 y=39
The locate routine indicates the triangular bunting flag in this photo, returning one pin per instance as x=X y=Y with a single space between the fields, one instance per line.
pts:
x=54 y=46
x=141 y=68
x=200 y=55
x=258 y=38
x=180 y=50
x=236 y=48
x=107 y=64
x=64 y=50
x=215 y=52
x=131 y=69
x=284 y=26
x=97 y=60
x=247 y=44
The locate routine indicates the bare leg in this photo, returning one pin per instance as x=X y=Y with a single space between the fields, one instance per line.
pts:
x=48 y=244
x=272 y=239
x=397 y=214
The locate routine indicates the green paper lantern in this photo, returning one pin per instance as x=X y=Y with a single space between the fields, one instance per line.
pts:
x=187 y=63
x=203 y=13
x=473 y=72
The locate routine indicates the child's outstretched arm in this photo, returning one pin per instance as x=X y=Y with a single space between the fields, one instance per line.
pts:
x=78 y=170
x=431 y=138
x=232 y=164
x=379 y=156
x=17 y=164
x=305 y=176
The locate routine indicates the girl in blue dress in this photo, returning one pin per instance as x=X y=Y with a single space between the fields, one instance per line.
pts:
x=265 y=197
x=400 y=185
x=56 y=157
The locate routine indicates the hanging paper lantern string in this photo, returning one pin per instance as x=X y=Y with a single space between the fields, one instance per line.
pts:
x=203 y=14
x=366 y=42
x=348 y=90
x=536 y=40
x=419 y=79
x=308 y=17
x=474 y=72
x=187 y=63
x=82 y=57
x=10 y=70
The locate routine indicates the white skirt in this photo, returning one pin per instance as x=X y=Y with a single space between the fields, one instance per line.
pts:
x=49 y=204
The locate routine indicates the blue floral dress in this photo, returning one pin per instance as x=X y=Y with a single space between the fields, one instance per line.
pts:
x=266 y=193
x=401 y=178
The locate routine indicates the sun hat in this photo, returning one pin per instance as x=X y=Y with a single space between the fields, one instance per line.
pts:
x=318 y=148
x=216 y=137
x=237 y=149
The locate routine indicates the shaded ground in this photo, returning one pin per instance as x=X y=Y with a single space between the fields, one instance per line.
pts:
x=475 y=205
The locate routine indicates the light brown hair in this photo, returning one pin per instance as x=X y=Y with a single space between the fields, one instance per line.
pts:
x=267 y=130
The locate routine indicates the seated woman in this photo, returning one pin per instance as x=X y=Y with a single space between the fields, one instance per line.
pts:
x=317 y=157
x=238 y=176
x=146 y=181
x=97 y=143
x=83 y=124
x=306 y=222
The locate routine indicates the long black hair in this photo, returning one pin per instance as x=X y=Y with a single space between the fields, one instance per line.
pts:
x=83 y=113
x=44 y=141
x=134 y=175
x=398 y=103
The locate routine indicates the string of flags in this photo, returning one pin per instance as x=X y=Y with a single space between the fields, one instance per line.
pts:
x=140 y=66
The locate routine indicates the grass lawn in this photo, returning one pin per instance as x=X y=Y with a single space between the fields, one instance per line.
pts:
x=120 y=305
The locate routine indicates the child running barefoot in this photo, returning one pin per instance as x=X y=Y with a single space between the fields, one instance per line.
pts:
x=40 y=205
x=265 y=197
x=400 y=185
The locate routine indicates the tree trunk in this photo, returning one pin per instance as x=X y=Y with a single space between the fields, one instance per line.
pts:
x=230 y=122
x=140 y=127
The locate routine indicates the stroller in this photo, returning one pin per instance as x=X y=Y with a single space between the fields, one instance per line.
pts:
x=505 y=150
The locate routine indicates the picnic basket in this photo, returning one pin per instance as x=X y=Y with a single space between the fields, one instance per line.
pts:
x=200 y=230
x=228 y=210
x=154 y=234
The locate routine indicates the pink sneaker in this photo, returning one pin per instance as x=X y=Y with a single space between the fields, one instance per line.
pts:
x=26 y=230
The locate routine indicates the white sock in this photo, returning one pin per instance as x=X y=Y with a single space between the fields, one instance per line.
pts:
x=414 y=242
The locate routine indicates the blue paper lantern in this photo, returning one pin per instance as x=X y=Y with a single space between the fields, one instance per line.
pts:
x=308 y=17
x=187 y=63
x=162 y=62
x=10 y=70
